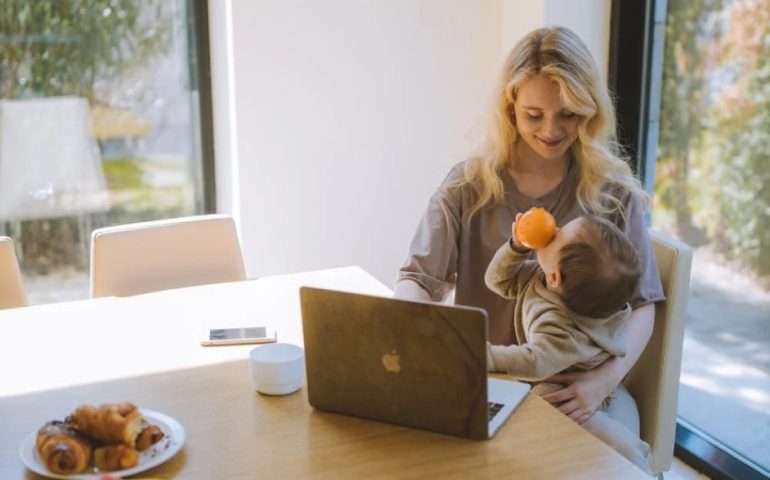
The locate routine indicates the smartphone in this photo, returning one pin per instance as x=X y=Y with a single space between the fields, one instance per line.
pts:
x=239 y=336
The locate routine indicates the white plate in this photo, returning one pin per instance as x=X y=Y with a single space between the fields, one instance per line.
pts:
x=172 y=442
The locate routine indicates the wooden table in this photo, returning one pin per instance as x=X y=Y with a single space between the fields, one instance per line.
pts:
x=145 y=349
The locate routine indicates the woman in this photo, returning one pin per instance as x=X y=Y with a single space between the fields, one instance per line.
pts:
x=551 y=143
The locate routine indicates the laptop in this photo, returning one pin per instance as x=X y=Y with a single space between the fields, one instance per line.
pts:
x=416 y=364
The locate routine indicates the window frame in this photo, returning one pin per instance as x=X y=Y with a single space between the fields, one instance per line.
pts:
x=200 y=82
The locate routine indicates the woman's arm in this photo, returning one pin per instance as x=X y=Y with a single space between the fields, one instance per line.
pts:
x=585 y=391
x=430 y=267
x=410 y=290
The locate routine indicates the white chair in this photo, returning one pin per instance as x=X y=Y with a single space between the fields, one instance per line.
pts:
x=164 y=254
x=50 y=165
x=11 y=287
x=654 y=380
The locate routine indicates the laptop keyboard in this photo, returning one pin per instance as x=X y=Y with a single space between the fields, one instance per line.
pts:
x=494 y=408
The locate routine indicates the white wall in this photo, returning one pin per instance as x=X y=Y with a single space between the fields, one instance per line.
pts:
x=349 y=113
x=519 y=18
x=590 y=19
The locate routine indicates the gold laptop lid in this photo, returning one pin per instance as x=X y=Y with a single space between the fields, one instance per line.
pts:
x=416 y=364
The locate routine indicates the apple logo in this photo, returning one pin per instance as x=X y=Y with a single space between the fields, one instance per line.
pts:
x=392 y=362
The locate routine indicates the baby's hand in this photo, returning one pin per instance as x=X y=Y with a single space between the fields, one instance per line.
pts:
x=516 y=243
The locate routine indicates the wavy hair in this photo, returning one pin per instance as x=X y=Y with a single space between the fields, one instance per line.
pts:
x=559 y=54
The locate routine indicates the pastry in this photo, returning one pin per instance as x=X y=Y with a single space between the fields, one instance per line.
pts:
x=115 y=457
x=109 y=423
x=62 y=449
x=150 y=435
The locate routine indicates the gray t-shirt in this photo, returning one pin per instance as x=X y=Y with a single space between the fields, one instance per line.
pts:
x=447 y=252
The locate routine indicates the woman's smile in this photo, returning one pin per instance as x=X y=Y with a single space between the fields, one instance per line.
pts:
x=550 y=143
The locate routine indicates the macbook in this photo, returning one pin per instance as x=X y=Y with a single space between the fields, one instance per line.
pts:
x=416 y=364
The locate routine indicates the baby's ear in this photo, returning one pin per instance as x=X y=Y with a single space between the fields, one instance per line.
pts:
x=553 y=278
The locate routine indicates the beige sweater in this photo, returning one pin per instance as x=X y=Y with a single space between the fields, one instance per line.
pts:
x=550 y=337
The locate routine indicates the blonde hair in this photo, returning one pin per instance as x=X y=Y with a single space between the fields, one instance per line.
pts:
x=559 y=54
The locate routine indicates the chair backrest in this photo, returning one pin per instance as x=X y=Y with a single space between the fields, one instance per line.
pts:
x=654 y=380
x=164 y=254
x=11 y=287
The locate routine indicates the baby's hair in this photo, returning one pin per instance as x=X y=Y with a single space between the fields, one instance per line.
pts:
x=599 y=270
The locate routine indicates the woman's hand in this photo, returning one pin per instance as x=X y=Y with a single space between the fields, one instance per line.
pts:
x=582 y=394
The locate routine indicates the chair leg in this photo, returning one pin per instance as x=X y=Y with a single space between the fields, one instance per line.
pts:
x=84 y=237
x=12 y=228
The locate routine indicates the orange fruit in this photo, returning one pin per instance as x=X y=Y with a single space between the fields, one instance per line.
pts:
x=535 y=228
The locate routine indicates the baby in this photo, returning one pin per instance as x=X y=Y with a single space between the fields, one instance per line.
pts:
x=571 y=304
x=571 y=312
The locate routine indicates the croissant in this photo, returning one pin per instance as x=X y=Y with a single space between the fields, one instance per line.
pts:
x=115 y=457
x=109 y=423
x=62 y=449
x=150 y=435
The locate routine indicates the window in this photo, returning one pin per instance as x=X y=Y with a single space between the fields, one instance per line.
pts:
x=712 y=189
x=704 y=157
x=104 y=120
